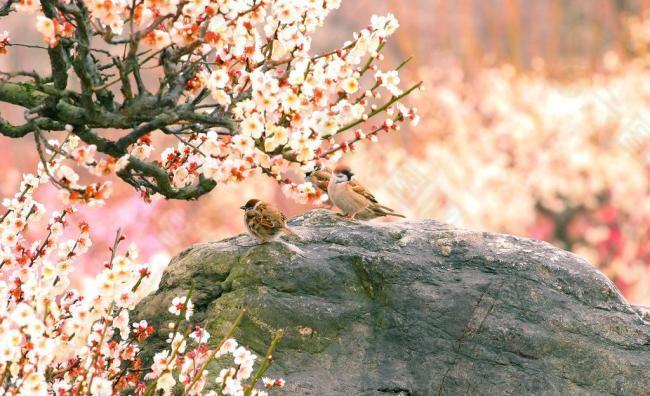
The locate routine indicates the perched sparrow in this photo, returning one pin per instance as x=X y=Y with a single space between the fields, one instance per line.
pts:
x=321 y=178
x=353 y=199
x=264 y=222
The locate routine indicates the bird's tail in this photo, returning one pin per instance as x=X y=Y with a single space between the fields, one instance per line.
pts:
x=386 y=211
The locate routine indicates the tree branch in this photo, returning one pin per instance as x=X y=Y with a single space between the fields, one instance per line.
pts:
x=13 y=131
x=58 y=55
x=136 y=172
x=179 y=105
x=21 y=94
x=7 y=8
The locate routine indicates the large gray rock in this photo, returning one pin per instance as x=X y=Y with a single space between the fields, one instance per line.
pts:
x=416 y=308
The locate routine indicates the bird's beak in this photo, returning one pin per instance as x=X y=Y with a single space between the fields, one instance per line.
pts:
x=242 y=207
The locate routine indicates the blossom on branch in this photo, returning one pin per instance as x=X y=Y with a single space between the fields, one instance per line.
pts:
x=239 y=88
x=58 y=340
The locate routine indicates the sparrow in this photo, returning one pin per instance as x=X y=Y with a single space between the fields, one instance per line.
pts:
x=321 y=178
x=353 y=199
x=264 y=222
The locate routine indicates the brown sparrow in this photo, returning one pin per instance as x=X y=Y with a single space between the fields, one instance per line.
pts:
x=321 y=178
x=264 y=222
x=353 y=199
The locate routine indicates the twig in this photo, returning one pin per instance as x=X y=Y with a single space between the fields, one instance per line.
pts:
x=265 y=363
x=228 y=334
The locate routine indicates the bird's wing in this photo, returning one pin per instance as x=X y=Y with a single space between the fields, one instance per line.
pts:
x=271 y=217
x=361 y=190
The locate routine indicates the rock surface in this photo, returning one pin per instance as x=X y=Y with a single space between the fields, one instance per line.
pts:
x=416 y=308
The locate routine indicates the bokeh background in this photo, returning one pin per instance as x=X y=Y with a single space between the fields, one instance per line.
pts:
x=535 y=122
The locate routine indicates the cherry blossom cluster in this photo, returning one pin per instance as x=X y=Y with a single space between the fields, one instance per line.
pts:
x=61 y=174
x=183 y=365
x=288 y=111
x=56 y=340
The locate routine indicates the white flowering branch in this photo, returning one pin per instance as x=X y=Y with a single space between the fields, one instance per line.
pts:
x=236 y=79
x=57 y=340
